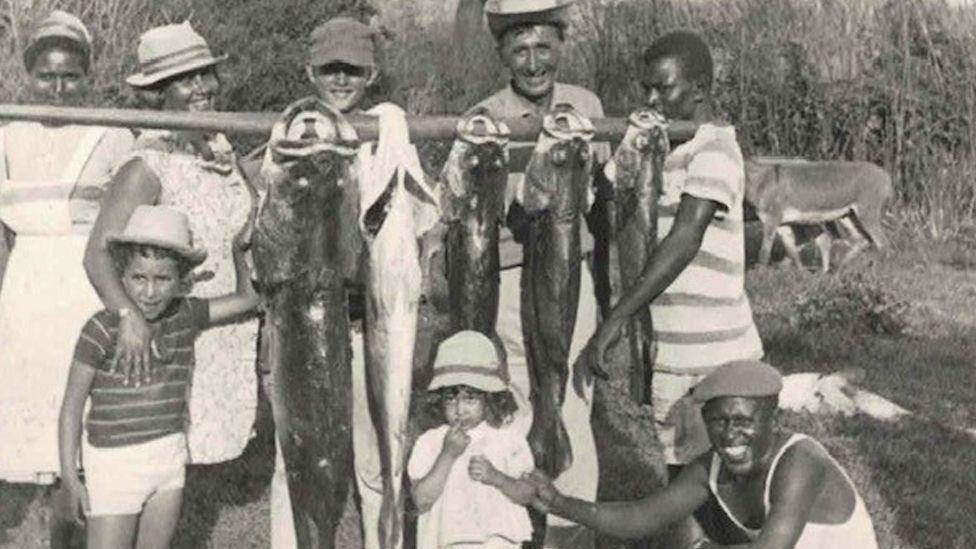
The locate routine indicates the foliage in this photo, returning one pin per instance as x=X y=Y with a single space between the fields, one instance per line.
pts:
x=852 y=301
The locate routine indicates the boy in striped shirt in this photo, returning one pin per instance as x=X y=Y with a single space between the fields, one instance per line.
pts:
x=694 y=279
x=136 y=452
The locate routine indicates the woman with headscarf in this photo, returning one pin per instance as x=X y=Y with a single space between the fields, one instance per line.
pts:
x=196 y=173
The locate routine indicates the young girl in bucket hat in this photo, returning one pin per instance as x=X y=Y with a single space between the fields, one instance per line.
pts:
x=135 y=452
x=466 y=474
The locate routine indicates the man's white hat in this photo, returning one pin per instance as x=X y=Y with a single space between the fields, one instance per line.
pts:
x=505 y=14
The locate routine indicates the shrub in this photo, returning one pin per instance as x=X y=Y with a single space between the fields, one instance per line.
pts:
x=852 y=301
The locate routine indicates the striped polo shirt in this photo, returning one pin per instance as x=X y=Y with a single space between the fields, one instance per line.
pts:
x=703 y=319
x=121 y=415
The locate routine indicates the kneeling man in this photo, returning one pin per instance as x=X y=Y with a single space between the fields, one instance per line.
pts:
x=763 y=487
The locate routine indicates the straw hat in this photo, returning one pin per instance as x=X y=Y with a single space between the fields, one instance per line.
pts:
x=161 y=226
x=469 y=358
x=341 y=39
x=505 y=14
x=170 y=50
x=57 y=26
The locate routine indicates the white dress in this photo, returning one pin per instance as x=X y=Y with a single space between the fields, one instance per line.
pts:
x=45 y=296
x=223 y=400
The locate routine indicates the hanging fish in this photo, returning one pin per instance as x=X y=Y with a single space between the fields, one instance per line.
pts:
x=305 y=246
x=397 y=209
x=557 y=192
x=473 y=201
x=636 y=171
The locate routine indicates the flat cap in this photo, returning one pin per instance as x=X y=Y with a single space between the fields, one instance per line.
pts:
x=505 y=14
x=742 y=378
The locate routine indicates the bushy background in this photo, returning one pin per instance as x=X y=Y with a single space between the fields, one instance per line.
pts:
x=887 y=81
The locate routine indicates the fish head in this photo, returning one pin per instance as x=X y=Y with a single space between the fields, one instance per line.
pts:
x=476 y=172
x=644 y=145
x=307 y=170
x=558 y=175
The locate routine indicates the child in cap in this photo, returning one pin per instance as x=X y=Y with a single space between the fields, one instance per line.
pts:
x=466 y=474
x=135 y=453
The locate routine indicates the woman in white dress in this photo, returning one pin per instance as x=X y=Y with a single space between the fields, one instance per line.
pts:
x=51 y=182
x=195 y=173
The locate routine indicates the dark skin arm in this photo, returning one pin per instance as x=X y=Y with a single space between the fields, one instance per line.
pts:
x=134 y=184
x=665 y=263
x=628 y=519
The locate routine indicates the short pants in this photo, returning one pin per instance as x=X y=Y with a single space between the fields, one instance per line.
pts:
x=121 y=479
x=680 y=427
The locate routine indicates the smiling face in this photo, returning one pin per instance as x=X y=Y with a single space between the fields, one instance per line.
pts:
x=464 y=407
x=532 y=56
x=341 y=85
x=58 y=76
x=669 y=91
x=742 y=432
x=193 y=91
x=152 y=281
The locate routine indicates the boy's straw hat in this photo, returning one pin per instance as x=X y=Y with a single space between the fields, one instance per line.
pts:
x=168 y=51
x=59 y=25
x=505 y=14
x=344 y=40
x=161 y=226
x=469 y=358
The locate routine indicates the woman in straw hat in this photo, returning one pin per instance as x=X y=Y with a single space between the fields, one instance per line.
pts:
x=51 y=181
x=197 y=174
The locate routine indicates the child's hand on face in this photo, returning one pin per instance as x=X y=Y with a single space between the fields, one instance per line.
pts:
x=481 y=470
x=456 y=441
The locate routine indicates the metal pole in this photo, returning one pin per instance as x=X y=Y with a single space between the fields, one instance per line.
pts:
x=422 y=127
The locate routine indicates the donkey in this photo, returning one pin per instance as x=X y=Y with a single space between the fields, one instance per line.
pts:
x=846 y=197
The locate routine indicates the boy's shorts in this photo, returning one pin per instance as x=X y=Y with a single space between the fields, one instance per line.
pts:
x=121 y=479
x=680 y=427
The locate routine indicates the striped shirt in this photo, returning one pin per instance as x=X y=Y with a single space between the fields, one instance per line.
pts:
x=507 y=103
x=122 y=415
x=703 y=319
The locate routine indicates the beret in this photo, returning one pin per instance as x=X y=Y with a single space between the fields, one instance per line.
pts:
x=742 y=378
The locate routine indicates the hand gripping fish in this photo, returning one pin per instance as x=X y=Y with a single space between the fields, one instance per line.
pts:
x=397 y=208
x=473 y=202
x=557 y=192
x=305 y=244
x=636 y=171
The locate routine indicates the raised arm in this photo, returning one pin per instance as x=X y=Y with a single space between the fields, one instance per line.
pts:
x=245 y=298
x=427 y=489
x=629 y=519
x=134 y=184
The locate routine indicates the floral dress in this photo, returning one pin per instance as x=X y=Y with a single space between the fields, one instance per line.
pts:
x=51 y=182
x=223 y=395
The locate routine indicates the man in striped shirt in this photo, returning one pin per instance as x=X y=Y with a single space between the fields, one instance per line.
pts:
x=694 y=279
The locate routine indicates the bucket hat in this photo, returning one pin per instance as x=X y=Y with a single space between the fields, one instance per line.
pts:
x=59 y=25
x=469 y=358
x=161 y=226
x=170 y=50
x=505 y=14
x=344 y=40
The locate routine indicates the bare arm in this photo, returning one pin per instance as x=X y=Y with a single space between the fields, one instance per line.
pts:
x=629 y=519
x=133 y=185
x=69 y=435
x=6 y=239
x=428 y=488
x=245 y=298
x=666 y=262
x=518 y=491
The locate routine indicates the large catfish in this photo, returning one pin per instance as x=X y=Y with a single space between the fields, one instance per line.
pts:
x=557 y=193
x=637 y=172
x=305 y=246
x=397 y=209
x=473 y=203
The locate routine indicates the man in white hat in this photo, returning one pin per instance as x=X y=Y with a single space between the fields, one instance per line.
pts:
x=530 y=35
